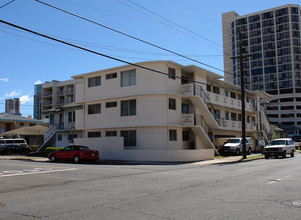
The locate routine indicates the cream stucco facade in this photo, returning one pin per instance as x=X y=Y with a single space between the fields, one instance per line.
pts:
x=161 y=111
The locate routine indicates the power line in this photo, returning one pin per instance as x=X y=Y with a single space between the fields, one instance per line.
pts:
x=177 y=25
x=130 y=36
x=109 y=12
x=7 y=4
x=106 y=47
x=85 y=49
x=174 y=23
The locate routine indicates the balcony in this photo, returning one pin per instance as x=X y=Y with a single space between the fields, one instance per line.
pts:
x=228 y=102
x=190 y=120
x=69 y=91
x=60 y=102
x=60 y=93
x=47 y=93
x=47 y=103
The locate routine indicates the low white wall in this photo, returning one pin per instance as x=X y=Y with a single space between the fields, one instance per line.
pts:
x=112 y=149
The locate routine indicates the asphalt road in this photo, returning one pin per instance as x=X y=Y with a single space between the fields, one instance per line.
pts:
x=260 y=189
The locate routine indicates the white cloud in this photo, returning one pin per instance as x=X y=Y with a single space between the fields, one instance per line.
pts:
x=4 y=79
x=12 y=94
x=38 y=82
x=25 y=98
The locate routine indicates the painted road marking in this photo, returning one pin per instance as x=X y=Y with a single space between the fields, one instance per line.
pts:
x=36 y=170
x=277 y=180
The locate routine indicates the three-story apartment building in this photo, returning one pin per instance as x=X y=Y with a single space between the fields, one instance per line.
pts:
x=161 y=111
x=58 y=104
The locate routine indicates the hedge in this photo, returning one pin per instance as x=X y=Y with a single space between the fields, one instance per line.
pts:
x=51 y=149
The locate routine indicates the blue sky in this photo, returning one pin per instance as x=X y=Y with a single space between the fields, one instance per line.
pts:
x=27 y=59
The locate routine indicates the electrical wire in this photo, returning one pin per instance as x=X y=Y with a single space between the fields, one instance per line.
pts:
x=130 y=36
x=7 y=4
x=174 y=23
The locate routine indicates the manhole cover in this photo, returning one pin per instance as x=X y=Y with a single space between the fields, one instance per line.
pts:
x=297 y=203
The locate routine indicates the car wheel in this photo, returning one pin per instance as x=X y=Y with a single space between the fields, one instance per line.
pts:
x=266 y=156
x=76 y=159
x=249 y=151
x=284 y=154
x=293 y=153
x=237 y=152
x=276 y=156
x=52 y=158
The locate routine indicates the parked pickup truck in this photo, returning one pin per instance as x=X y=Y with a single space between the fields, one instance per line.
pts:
x=279 y=147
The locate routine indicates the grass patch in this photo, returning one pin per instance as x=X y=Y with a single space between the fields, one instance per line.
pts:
x=256 y=156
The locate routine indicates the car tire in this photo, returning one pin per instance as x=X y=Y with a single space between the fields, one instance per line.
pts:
x=76 y=159
x=52 y=158
x=284 y=154
x=238 y=152
x=293 y=153
x=276 y=156
x=266 y=156
x=249 y=151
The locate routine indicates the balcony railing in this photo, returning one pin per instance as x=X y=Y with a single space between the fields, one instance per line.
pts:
x=47 y=103
x=47 y=93
x=60 y=102
x=61 y=92
x=191 y=120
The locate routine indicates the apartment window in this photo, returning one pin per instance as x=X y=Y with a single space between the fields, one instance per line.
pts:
x=94 y=81
x=233 y=116
x=226 y=93
x=111 y=133
x=59 y=137
x=71 y=116
x=94 y=134
x=94 y=109
x=71 y=137
x=172 y=104
x=172 y=135
x=171 y=73
x=128 y=78
x=227 y=115
x=233 y=95
x=216 y=114
x=208 y=87
x=128 y=107
x=129 y=138
x=185 y=135
x=111 y=104
x=111 y=76
x=239 y=117
x=185 y=108
x=215 y=89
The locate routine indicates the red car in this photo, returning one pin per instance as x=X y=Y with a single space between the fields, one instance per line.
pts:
x=75 y=153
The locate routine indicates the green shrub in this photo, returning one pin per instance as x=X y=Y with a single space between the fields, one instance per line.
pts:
x=51 y=149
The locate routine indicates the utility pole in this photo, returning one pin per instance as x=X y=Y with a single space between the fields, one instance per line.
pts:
x=242 y=86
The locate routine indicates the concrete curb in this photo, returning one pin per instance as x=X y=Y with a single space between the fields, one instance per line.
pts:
x=226 y=160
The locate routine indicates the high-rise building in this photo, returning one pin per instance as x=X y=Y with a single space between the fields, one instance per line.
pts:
x=37 y=102
x=12 y=106
x=272 y=39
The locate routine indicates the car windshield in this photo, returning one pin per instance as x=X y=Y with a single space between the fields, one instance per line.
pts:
x=277 y=142
x=234 y=141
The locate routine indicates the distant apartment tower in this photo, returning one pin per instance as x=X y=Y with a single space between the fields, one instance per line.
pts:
x=37 y=102
x=12 y=106
x=272 y=38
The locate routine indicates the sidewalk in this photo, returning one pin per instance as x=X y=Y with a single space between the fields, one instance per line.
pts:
x=224 y=160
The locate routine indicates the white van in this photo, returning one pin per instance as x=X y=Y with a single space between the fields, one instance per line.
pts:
x=13 y=145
